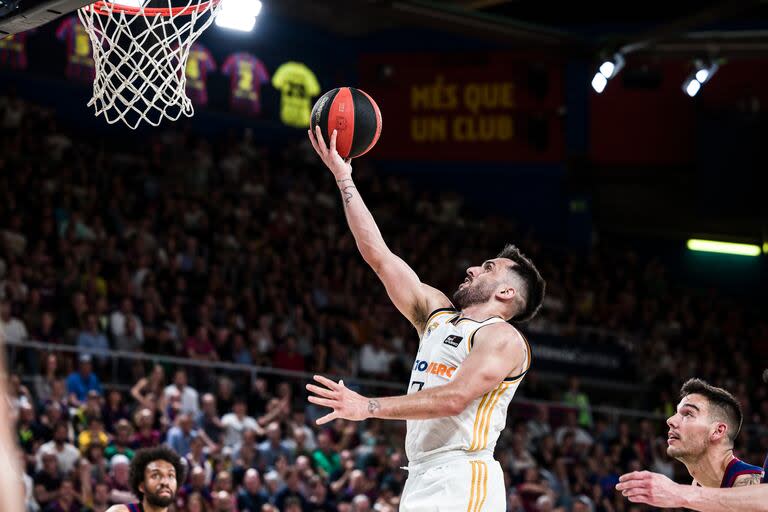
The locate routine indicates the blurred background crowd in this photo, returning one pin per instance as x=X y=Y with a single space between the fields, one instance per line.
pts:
x=224 y=252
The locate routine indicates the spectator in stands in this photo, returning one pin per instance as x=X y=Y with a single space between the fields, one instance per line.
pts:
x=236 y=422
x=92 y=340
x=48 y=480
x=119 y=480
x=180 y=436
x=292 y=489
x=199 y=346
x=43 y=382
x=326 y=459
x=66 y=453
x=101 y=497
x=581 y=436
x=120 y=444
x=578 y=399
x=208 y=419
x=146 y=435
x=66 y=501
x=273 y=447
x=15 y=329
x=375 y=358
x=81 y=382
x=187 y=394
x=118 y=320
x=93 y=435
x=287 y=357
x=251 y=496
x=154 y=384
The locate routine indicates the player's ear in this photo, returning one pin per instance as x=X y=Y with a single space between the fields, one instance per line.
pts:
x=505 y=293
x=720 y=431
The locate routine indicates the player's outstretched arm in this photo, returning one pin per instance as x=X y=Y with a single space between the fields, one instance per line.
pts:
x=498 y=351
x=412 y=298
x=659 y=491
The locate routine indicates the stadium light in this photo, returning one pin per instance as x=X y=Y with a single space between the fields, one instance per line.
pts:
x=599 y=82
x=607 y=70
x=238 y=14
x=695 y=244
x=702 y=75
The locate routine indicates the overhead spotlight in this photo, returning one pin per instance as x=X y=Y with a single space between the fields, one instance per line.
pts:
x=703 y=73
x=238 y=14
x=606 y=71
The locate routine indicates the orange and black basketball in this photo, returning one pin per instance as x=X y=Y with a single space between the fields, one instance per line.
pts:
x=355 y=117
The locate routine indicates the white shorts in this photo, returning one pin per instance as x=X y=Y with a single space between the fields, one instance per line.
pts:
x=455 y=482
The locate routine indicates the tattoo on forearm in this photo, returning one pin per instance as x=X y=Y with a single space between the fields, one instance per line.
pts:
x=373 y=406
x=346 y=189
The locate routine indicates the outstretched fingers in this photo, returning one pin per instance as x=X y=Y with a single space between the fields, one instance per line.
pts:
x=323 y=401
x=328 y=417
x=328 y=383
x=327 y=393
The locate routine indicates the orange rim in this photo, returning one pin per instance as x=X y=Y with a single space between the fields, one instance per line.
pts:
x=101 y=7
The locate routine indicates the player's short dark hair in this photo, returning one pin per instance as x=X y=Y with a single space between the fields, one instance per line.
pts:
x=144 y=457
x=723 y=404
x=533 y=283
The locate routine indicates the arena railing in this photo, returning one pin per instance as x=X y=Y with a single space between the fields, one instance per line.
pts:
x=523 y=407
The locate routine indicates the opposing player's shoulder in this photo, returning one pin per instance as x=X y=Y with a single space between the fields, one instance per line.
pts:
x=118 y=508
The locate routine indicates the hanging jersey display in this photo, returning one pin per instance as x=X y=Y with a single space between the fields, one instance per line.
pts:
x=199 y=64
x=80 y=66
x=246 y=76
x=297 y=85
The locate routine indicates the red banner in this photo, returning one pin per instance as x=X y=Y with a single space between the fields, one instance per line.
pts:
x=479 y=107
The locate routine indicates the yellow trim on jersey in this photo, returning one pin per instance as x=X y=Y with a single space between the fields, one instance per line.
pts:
x=477 y=418
x=484 y=422
x=484 y=470
x=472 y=337
x=438 y=312
x=481 y=416
x=504 y=388
x=472 y=487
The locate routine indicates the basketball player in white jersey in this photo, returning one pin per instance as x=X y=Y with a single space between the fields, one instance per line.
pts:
x=469 y=364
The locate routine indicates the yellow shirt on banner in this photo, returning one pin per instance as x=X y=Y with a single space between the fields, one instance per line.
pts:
x=297 y=86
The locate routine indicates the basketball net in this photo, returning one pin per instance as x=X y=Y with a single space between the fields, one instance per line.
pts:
x=140 y=54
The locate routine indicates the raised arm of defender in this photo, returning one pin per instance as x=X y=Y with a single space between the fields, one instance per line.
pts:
x=414 y=299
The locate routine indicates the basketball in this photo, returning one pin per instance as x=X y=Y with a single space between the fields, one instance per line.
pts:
x=353 y=114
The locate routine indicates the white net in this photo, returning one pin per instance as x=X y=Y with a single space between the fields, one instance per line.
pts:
x=141 y=54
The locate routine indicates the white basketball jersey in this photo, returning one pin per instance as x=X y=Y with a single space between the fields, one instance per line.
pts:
x=446 y=342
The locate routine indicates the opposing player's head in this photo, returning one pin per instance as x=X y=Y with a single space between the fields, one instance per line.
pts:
x=510 y=279
x=706 y=417
x=156 y=474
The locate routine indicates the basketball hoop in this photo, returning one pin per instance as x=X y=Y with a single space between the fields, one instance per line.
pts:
x=141 y=53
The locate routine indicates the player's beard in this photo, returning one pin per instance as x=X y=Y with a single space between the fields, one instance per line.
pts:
x=687 y=453
x=159 y=501
x=473 y=293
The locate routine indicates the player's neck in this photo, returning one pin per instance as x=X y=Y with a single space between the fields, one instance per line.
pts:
x=152 y=508
x=480 y=312
x=710 y=468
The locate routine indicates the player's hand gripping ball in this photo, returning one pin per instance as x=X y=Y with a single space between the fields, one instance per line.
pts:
x=355 y=117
